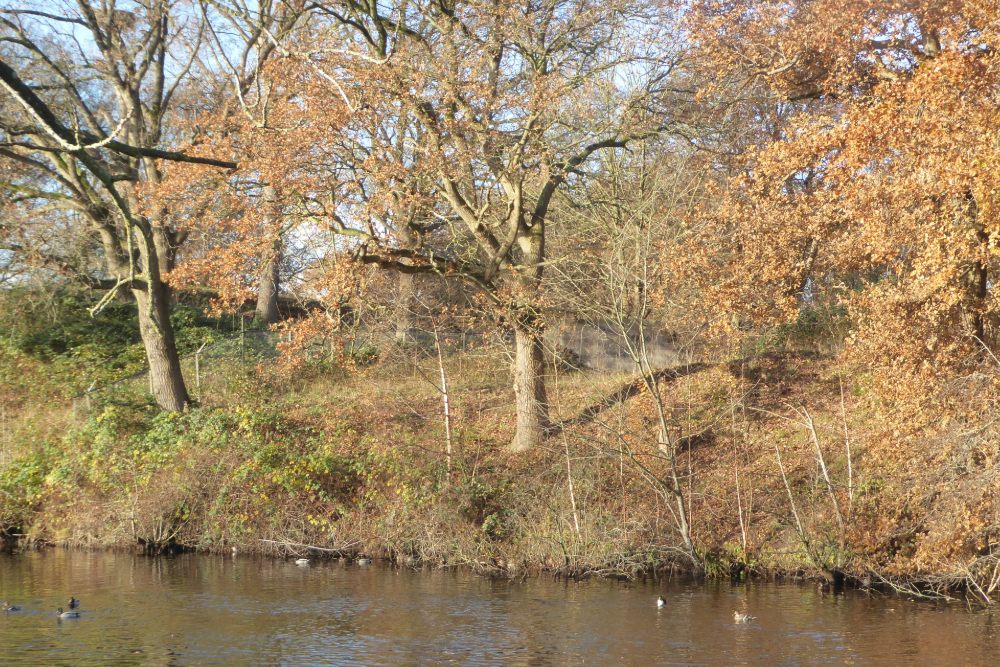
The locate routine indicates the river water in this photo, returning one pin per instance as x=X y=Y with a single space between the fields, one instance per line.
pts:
x=206 y=610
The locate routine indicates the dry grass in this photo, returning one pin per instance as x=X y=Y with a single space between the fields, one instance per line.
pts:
x=903 y=510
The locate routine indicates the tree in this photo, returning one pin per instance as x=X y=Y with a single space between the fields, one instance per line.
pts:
x=503 y=104
x=243 y=40
x=109 y=76
x=269 y=282
x=882 y=190
x=239 y=255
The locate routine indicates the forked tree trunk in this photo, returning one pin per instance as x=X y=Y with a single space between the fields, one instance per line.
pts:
x=531 y=401
x=268 y=287
x=166 y=379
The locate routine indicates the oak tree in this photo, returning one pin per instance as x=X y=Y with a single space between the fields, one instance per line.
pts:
x=497 y=106
x=881 y=191
x=88 y=92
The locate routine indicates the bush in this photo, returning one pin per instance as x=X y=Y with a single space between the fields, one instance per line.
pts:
x=21 y=489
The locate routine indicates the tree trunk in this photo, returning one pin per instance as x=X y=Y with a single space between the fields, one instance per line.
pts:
x=269 y=280
x=530 y=397
x=980 y=289
x=409 y=239
x=529 y=389
x=404 y=306
x=267 y=288
x=166 y=379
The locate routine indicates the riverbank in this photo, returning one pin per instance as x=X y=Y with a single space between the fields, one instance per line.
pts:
x=786 y=468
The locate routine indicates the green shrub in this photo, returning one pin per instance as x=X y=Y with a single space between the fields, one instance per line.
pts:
x=21 y=489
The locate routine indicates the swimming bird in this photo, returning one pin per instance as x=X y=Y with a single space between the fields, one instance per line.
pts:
x=8 y=607
x=67 y=614
x=73 y=602
x=740 y=617
x=364 y=561
x=660 y=602
x=301 y=561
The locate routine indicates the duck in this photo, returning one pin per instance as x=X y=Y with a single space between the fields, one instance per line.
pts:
x=740 y=617
x=67 y=614
x=660 y=602
x=73 y=602
x=364 y=561
x=301 y=561
x=8 y=607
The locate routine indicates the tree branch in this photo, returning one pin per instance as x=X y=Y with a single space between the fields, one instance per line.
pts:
x=68 y=139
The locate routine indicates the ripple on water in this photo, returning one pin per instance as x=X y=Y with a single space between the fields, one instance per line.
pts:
x=198 y=610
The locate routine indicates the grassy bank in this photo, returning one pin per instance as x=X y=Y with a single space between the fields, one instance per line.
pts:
x=786 y=469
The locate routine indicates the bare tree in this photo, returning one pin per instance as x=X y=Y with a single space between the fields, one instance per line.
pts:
x=623 y=221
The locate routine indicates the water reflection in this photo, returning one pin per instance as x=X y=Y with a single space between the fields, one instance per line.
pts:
x=200 y=610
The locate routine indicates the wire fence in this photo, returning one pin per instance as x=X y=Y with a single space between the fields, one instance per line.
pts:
x=251 y=346
x=209 y=369
x=246 y=347
x=585 y=346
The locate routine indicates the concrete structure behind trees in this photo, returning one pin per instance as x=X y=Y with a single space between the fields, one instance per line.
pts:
x=605 y=347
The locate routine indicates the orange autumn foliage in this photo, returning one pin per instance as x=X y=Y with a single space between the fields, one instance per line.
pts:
x=873 y=194
x=881 y=193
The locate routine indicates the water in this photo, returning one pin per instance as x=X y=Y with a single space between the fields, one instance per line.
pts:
x=204 y=610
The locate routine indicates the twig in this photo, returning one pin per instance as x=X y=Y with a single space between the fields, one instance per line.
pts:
x=791 y=501
x=811 y=425
x=847 y=446
x=311 y=547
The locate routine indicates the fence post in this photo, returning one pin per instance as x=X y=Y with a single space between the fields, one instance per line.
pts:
x=461 y=354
